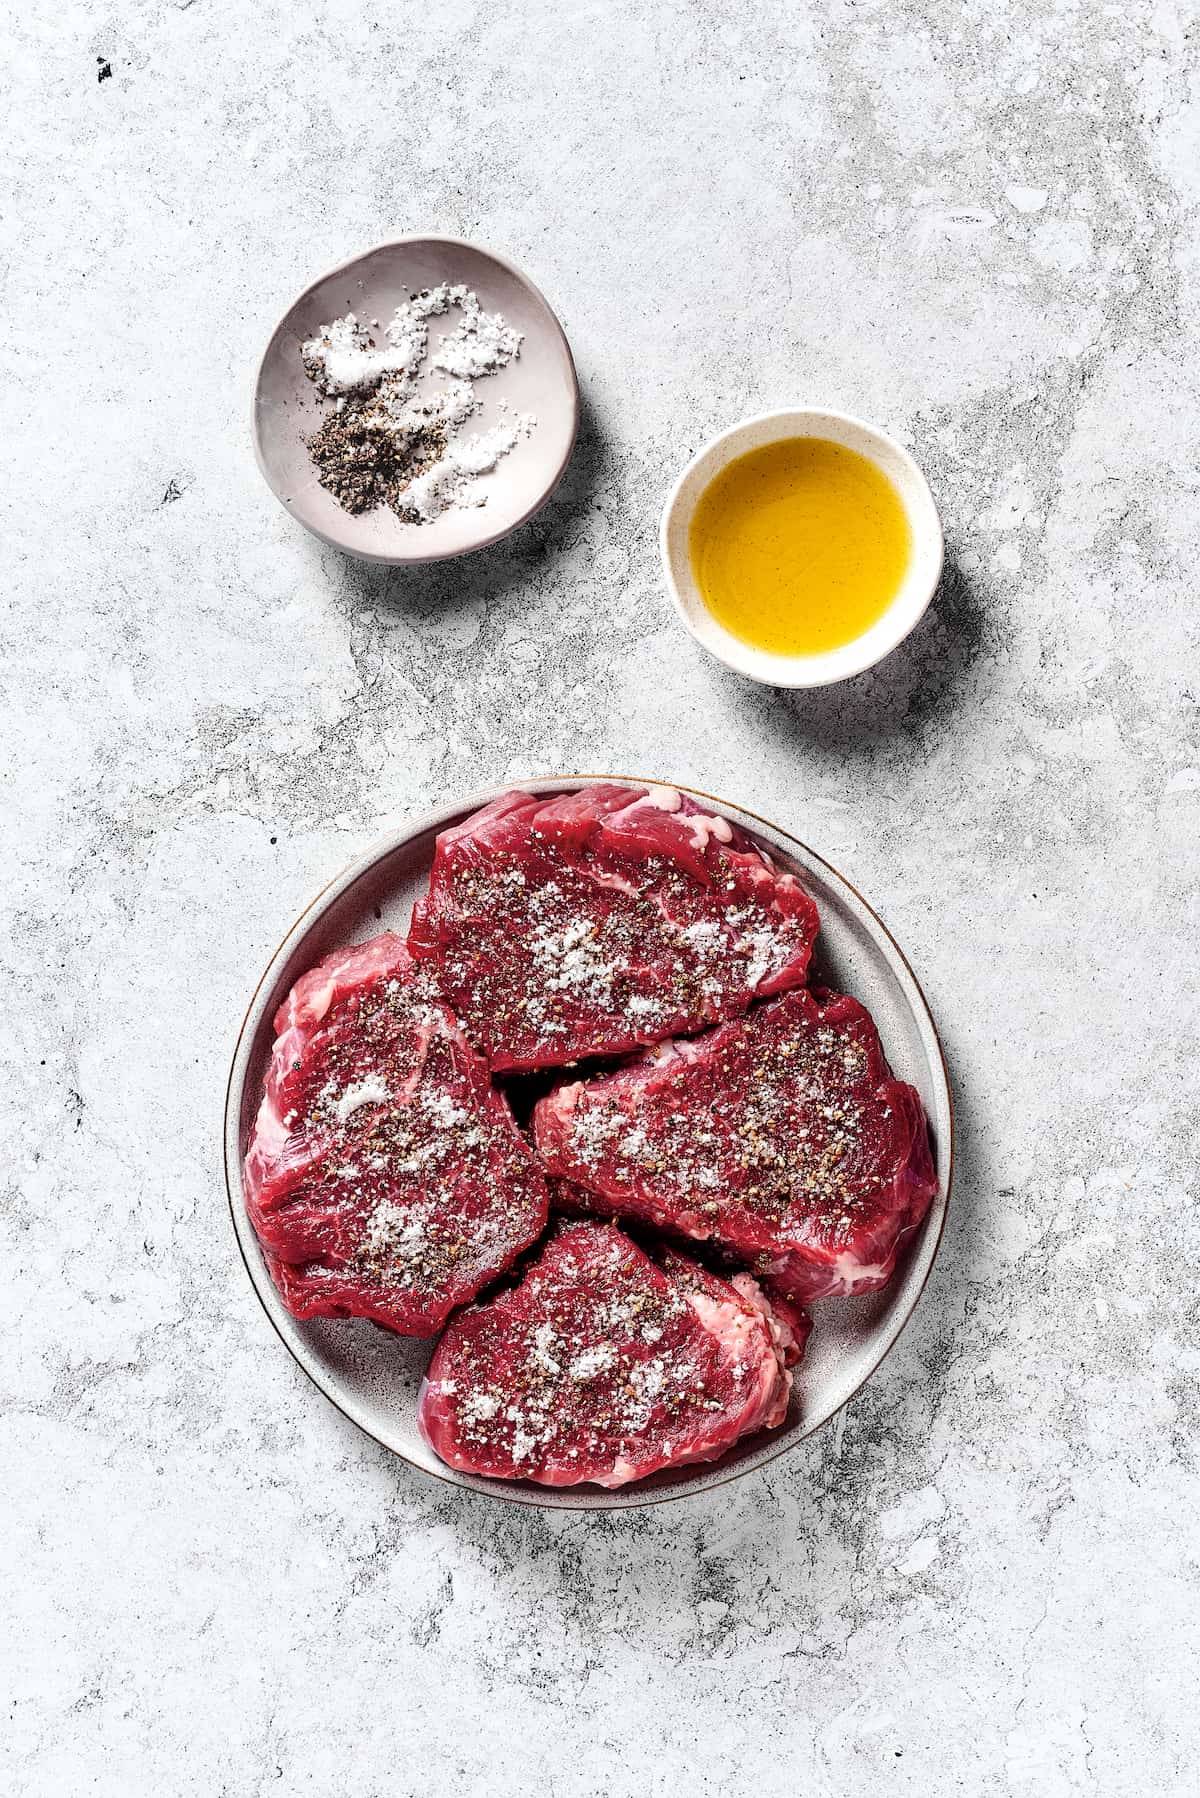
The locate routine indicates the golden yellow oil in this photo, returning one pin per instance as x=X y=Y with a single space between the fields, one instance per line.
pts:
x=798 y=547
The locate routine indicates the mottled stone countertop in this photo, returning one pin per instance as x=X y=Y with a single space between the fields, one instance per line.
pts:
x=980 y=226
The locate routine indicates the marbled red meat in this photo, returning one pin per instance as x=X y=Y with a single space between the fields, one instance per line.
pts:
x=782 y=1136
x=790 y=1323
x=604 y=1365
x=386 y=1177
x=598 y=921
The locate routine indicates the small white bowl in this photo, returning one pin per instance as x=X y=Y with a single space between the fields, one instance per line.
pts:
x=916 y=589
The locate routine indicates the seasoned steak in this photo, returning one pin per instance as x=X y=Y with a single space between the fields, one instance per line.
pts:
x=790 y=1324
x=598 y=921
x=782 y=1136
x=604 y=1366
x=386 y=1177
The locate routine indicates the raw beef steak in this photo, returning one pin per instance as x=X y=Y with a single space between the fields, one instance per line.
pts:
x=603 y=1366
x=386 y=1177
x=782 y=1136
x=790 y=1324
x=597 y=921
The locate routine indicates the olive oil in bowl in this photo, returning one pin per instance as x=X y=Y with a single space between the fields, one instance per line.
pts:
x=800 y=546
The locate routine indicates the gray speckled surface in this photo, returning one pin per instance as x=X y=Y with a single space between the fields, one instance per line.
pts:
x=982 y=228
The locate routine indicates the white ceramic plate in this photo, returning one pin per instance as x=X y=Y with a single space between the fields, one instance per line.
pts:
x=541 y=380
x=373 y=1377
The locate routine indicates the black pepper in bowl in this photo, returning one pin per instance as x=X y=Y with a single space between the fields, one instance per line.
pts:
x=364 y=461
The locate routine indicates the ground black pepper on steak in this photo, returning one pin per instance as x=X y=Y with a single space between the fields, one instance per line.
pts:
x=592 y=922
x=781 y=1136
x=605 y=1365
x=386 y=1177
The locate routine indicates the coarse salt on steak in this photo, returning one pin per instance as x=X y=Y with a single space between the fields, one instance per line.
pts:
x=604 y=1366
x=790 y=1324
x=386 y=1177
x=598 y=921
x=782 y=1136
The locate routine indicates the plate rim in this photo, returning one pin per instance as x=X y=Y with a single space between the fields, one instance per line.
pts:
x=526 y=1493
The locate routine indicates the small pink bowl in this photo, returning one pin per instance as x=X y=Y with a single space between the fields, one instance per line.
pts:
x=541 y=380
